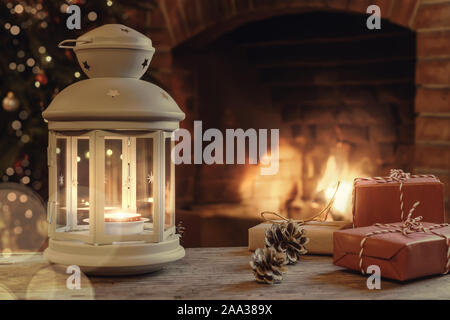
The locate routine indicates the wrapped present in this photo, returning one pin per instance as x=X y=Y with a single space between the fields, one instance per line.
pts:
x=383 y=199
x=403 y=251
x=319 y=233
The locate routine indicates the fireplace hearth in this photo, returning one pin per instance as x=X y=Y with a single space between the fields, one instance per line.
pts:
x=342 y=98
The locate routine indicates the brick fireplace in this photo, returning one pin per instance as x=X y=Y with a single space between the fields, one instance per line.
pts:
x=348 y=101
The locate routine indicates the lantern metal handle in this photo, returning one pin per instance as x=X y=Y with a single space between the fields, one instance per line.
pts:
x=63 y=45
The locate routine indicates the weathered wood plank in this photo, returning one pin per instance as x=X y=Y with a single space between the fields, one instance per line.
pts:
x=209 y=273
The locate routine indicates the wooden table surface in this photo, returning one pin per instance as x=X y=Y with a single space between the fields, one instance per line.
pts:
x=208 y=273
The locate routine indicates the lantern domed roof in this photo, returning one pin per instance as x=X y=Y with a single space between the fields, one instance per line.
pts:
x=113 y=36
x=112 y=50
x=113 y=99
x=114 y=57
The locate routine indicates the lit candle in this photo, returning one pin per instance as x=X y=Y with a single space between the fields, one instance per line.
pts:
x=122 y=217
x=122 y=223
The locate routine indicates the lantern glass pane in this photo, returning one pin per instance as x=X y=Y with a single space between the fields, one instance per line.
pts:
x=113 y=175
x=169 y=193
x=61 y=185
x=145 y=180
x=83 y=155
x=72 y=184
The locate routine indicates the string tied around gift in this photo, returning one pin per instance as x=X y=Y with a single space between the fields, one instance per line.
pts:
x=316 y=217
x=410 y=225
x=395 y=175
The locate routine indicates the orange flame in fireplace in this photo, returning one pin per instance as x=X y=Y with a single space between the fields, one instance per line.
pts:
x=342 y=196
x=338 y=172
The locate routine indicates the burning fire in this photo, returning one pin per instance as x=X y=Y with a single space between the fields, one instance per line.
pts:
x=342 y=196
x=327 y=184
x=293 y=197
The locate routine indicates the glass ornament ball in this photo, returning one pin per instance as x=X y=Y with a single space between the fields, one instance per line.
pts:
x=23 y=219
x=41 y=78
x=10 y=103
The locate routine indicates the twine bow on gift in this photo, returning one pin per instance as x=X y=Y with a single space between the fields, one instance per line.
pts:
x=410 y=225
x=395 y=175
x=398 y=175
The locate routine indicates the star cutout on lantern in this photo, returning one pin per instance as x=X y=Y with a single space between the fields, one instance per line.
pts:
x=144 y=64
x=165 y=96
x=113 y=93
x=61 y=180
x=150 y=178
x=86 y=66
x=124 y=30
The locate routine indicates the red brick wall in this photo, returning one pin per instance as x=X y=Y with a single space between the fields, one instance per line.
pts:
x=432 y=103
x=329 y=93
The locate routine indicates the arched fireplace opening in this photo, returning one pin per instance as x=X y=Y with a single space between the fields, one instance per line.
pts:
x=342 y=96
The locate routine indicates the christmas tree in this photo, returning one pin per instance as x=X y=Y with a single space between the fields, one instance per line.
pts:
x=33 y=70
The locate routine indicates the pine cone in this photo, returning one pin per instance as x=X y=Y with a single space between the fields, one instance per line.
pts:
x=289 y=238
x=180 y=229
x=268 y=265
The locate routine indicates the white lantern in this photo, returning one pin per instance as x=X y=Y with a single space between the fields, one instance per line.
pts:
x=111 y=203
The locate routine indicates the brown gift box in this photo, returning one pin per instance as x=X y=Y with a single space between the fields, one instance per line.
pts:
x=375 y=202
x=400 y=257
x=320 y=235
